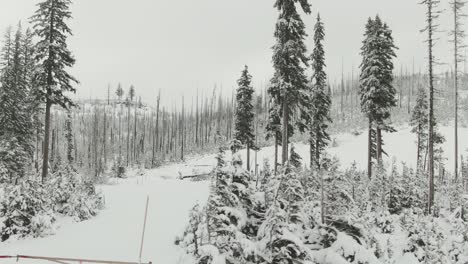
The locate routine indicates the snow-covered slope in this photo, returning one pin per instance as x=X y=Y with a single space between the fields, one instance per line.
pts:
x=400 y=146
x=115 y=233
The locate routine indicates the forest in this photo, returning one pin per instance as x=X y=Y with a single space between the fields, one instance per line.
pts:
x=267 y=174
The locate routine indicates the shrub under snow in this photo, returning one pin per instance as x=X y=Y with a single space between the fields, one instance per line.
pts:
x=30 y=207
x=374 y=221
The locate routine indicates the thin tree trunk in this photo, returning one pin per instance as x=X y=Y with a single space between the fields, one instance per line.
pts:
x=379 y=143
x=248 y=157
x=369 y=150
x=455 y=42
x=285 y=132
x=276 y=153
x=317 y=151
x=45 y=156
x=431 y=110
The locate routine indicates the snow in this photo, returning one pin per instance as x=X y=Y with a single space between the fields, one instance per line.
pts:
x=400 y=146
x=116 y=232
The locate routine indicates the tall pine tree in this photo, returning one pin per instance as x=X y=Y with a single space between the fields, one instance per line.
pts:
x=244 y=113
x=53 y=58
x=289 y=62
x=377 y=92
x=321 y=101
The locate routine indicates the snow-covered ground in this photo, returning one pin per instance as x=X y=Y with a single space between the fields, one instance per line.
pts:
x=400 y=146
x=115 y=233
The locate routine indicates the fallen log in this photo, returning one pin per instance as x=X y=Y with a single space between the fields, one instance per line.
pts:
x=194 y=176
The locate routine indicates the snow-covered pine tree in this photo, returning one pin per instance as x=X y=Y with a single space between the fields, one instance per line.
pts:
x=17 y=129
x=273 y=126
x=35 y=106
x=53 y=58
x=289 y=62
x=284 y=220
x=377 y=92
x=244 y=113
x=321 y=101
x=295 y=158
x=192 y=237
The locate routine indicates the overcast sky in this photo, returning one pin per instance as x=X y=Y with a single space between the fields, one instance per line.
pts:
x=179 y=46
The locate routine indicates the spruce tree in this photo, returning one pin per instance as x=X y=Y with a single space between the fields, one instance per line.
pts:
x=131 y=92
x=321 y=101
x=295 y=158
x=17 y=128
x=273 y=127
x=377 y=92
x=244 y=113
x=53 y=58
x=119 y=92
x=289 y=62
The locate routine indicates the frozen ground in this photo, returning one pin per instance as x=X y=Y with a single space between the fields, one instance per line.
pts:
x=115 y=233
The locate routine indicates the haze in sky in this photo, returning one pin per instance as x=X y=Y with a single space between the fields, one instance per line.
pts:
x=181 y=46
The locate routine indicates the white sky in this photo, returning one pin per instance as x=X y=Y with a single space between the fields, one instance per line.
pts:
x=177 y=46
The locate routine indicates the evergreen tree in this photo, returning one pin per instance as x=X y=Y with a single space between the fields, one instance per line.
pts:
x=294 y=158
x=273 y=127
x=53 y=58
x=377 y=92
x=321 y=101
x=222 y=221
x=17 y=129
x=289 y=62
x=119 y=92
x=131 y=92
x=244 y=113
x=283 y=219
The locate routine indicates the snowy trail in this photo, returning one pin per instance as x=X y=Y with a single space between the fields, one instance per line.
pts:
x=115 y=233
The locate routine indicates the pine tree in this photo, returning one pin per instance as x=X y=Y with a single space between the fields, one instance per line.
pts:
x=244 y=113
x=222 y=224
x=119 y=92
x=289 y=62
x=377 y=92
x=273 y=127
x=131 y=93
x=321 y=101
x=294 y=158
x=17 y=129
x=283 y=219
x=53 y=58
